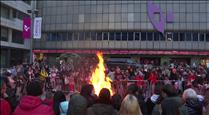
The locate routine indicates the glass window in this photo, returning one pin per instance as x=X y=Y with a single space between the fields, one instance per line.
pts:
x=75 y=36
x=175 y=36
x=118 y=36
x=202 y=37
x=156 y=36
x=111 y=36
x=182 y=36
x=17 y=37
x=99 y=35
x=188 y=36
x=87 y=35
x=105 y=35
x=93 y=35
x=4 y=34
x=81 y=36
x=124 y=36
x=130 y=36
x=70 y=36
x=207 y=37
x=143 y=36
x=137 y=36
x=195 y=36
x=59 y=36
x=48 y=36
x=54 y=37
x=162 y=37
x=4 y=12
x=149 y=36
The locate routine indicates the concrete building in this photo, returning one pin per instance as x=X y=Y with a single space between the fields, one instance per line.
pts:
x=14 y=49
x=124 y=27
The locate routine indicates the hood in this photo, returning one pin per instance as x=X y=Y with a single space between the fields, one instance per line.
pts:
x=154 y=98
x=193 y=103
x=30 y=102
x=64 y=107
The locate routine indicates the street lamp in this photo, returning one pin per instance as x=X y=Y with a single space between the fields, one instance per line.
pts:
x=33 y=13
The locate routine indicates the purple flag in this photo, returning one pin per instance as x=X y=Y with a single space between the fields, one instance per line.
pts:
x=26 y=28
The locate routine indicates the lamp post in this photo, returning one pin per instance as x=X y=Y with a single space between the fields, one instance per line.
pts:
x=33 y=13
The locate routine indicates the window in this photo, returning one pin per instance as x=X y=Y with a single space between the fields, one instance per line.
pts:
x=105 y=35
x=188 y=36
x=161 y=37
x=207 y=37
x=149 y=36
x=4 y=12
x=156 y=36
x=17 y=37
x=111 y=36
x=99 y=35
x=4 y=34
x=175 y=36
x=75 y=36
x=182 y=36
x=195 y=36
x=81 y=36
x=137 y=36
x=70 y=36
x=64 y=36
x=27 y=1
x=117 y=36
x=93 y=35
x=124 y=36
x=143 y=36
x=202 y=37
x=54 y=37
x=130 y=36
x=87 y=35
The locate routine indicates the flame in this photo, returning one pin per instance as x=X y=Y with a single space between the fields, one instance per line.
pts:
x=98 y=78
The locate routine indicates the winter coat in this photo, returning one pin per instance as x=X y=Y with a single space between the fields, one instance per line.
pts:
x=64 y=107
x=101 y=109
x=32 y=105
x=5 y=108
x=151 y=103
x=194 y=107
x=171 y=105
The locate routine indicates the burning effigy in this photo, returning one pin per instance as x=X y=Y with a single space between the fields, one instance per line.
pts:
x=98 y=79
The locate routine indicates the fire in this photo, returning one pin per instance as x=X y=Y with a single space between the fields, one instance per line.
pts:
x=98 y=78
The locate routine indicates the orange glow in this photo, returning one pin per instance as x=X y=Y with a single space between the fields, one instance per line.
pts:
x=98 y=78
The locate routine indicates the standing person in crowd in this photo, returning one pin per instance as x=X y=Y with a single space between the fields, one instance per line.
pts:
x=59 y=97
x=130 y=106
x=206 y=104
x=87 y=92
x=103 y=105
x=5 y=107
x=193 y=105
x=77 y=105
x=31 y=104
x=64 y=107
x=171 y=103
x=116 y=101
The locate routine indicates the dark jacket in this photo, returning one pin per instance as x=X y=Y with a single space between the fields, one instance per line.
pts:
x=171 y=105
x=101 y=109
x=194 y=107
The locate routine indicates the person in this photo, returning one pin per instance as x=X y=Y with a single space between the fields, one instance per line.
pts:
x=206 y=112
x=192 y=104
x=130 y=106
x=116 y=101
x=31 y=104
x=103 y=105
x=171 y=103
x=77 y=105
x=5 y=107
x=86 y=91
x=63 y=107
x=59 y=97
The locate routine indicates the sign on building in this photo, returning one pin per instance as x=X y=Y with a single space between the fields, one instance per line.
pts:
x=37 y=28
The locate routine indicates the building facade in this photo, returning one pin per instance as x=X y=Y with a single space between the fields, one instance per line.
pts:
x=124 y=27
x=14 y=49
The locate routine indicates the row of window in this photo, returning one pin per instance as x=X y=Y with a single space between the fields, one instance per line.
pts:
x=130 y=36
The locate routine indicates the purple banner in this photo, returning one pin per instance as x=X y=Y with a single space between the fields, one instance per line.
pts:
x=26 y=28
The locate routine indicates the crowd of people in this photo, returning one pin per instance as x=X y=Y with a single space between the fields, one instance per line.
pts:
x=39 y=89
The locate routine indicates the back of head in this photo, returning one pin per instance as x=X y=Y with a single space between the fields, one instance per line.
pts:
x=132 y=89
x=189 y=93
x=104 y=96
x=169 y=90
x=86 y=90
x=130 y=106
x=77 y=105
x=116 y=101
x=34 y=88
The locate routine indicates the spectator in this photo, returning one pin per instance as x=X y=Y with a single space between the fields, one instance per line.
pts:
x=58 y=98
x=192 y=103
x=5 y=108
x=64 y=107
x=206 y=112
x=102 y=107
x=31 y=104
x=87 y=92
x=116 y=101
x=77 y=105
x=171 y=104
x=130 y=106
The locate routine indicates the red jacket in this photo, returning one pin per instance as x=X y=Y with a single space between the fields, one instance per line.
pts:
x=5 y=108
x=152 y=78
x=32 y=105
x=140 y=81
